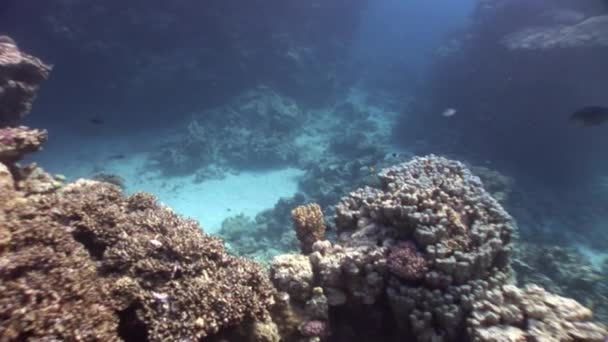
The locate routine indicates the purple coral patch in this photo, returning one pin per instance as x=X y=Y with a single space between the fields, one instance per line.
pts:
x=405 y=261
x=315 y=328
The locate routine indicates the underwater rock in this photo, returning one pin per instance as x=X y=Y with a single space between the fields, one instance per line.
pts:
x=533 y=314
x=590 y=32
x=20 y=76
x=82 y=262
x=15 y=142
x=292 y=274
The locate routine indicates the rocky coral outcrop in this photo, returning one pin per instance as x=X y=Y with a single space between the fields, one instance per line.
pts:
x=49 y=284
x=83 y=262
x=423 y=251
x=178 y=282
x=20 y=76
x=15 y=142
x=531 y=314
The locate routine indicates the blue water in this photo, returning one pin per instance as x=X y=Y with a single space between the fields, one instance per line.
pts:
x=225 y=107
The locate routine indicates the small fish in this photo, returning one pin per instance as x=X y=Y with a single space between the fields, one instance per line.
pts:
x=96 y=121
x=449 y=112
x=590 y=116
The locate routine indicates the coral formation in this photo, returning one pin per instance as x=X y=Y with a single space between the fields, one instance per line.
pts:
x=82 y=262
x=267 y=235
x=261 y=126
x=20 y=76
x=406 y=262
x=49 y=284
x=178 y=283
x=309 y=224
x=435 y=212
x=292 y=274
x=531 y=314
x=15 y=142
x=564 y=271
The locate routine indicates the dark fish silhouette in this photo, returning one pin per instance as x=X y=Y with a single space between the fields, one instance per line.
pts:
x=590 y=116
x=96 y=121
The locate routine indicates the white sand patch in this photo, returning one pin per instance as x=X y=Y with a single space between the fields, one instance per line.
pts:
x=209 y=202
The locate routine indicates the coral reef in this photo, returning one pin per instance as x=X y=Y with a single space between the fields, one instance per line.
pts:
x=80 y=261
x=531 y=314
x=255 y=130
x=20 y=76
x=15 y=142
x=564 y=271
x=265 y=236
x=309 y=224
x=432 y=215
x=49 y=284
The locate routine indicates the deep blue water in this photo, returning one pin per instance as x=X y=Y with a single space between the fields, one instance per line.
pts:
x=193 y=92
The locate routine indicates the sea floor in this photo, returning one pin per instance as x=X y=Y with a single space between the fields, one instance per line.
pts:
x=209 y=202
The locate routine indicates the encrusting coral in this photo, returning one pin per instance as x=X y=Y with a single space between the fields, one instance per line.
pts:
x=309 y=224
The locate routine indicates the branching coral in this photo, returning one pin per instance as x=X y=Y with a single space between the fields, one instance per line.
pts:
x=309 y=224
